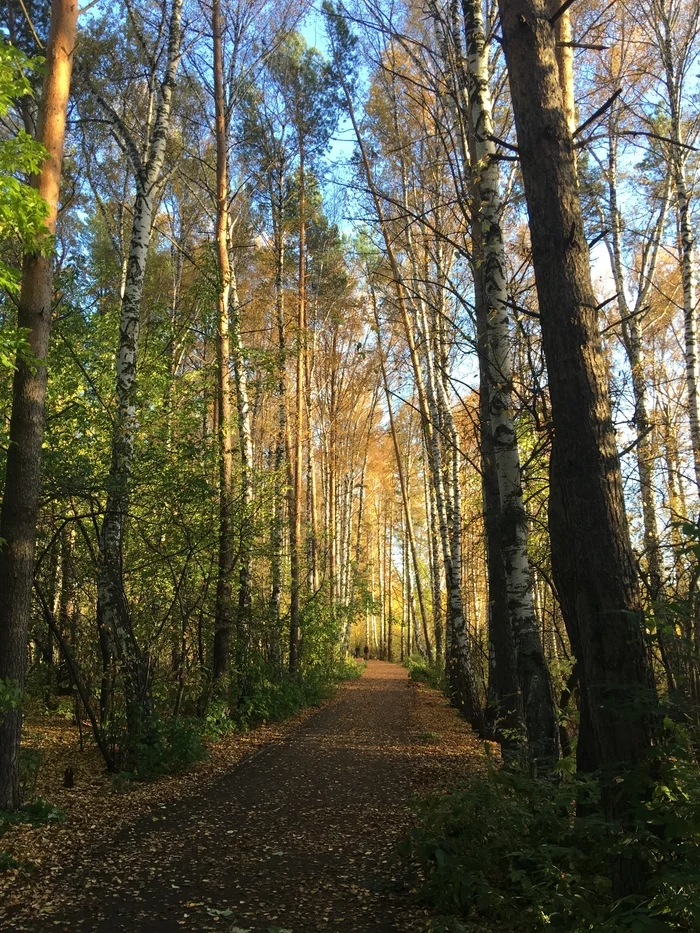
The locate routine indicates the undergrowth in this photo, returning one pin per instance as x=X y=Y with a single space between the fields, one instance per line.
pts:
x=170 y=745
x=421 y=671
x=507 y=852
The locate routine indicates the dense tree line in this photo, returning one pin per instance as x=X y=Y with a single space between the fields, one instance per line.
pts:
x=387 y=342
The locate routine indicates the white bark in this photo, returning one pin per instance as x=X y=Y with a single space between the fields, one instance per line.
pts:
x=664 y=20
x=533 y=673
x=113 y=610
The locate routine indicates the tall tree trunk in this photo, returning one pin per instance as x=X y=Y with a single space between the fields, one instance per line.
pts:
x=112 y=604
x=245 y=438
x=389 y=576
x=436 y=569
x=533 y=673
x=281 y=439
x=613 y=655
x=507 y=714
x=296 y=509
x=332 y=479
x=223 y=618
x=20 y=504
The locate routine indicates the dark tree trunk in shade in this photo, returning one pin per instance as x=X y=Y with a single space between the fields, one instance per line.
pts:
x=603 y=584
x=20 y=504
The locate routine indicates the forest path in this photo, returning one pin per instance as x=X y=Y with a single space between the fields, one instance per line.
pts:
x=298 y=837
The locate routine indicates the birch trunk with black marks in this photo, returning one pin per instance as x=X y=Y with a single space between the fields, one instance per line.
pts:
x=533 y=673
x=20 y=504
x=296 y=490
x=360 y=515
x=436 y=569
x=113 y=611
x=245 y=438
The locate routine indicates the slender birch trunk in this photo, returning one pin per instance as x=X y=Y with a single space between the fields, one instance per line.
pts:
x=312 y=549
x=389 y=577
x=245 y=439
x=112 y=603
x=533 y=674
x=281 y=440
x=360 y=513
x=436 y=569
x=332 y=480
x=381 y=559
x=20 y=504
x=686 y=235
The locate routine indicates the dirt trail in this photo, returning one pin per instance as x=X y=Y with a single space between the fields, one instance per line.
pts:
x=298 y=838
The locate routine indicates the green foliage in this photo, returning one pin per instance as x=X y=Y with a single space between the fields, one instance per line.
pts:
x=217 y=721
x=36 y=813
x=13 y=342
x=508 y=852
x=278 y=696
x=30 y=760
x=10 y=695
x=168 y=746
x=22 y=210
x=423 y=672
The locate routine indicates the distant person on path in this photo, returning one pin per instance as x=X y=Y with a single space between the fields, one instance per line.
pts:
x=366 y=653
x=357 y=652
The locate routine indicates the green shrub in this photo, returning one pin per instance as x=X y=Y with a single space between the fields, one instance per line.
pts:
x=507 y=852
x=29 y=766
x=274 y=696
x=168 y=746
x=35 y=813
x=217 y=721
x=423 y=672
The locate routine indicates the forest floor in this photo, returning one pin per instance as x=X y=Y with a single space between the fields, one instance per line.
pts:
x=298 y=836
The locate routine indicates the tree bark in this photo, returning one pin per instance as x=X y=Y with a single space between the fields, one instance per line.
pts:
x=533 y=673
x=223 y=619
x=613 y=656
x=112 y=604
x=20 y=504
x=295 y=510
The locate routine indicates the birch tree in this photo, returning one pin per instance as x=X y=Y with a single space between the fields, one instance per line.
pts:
x=147 y=158
x=538 y=700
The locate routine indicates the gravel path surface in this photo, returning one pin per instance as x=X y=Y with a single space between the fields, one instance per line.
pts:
x=299 y=837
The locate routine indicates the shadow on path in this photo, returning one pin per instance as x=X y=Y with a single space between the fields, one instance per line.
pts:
x=298 y=837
